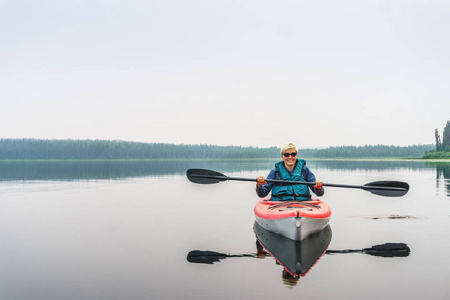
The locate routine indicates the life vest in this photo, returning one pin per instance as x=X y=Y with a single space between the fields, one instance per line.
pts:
x=291 y=192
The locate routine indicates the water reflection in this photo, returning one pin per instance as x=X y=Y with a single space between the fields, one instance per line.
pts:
x=111 y=169
x=117 y=169
x=442 y=175
x=369 y=164
x=296 y=257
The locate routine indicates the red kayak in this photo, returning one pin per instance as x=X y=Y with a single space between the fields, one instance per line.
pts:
x=295 y=220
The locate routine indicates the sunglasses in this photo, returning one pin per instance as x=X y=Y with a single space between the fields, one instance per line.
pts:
x=293 y=154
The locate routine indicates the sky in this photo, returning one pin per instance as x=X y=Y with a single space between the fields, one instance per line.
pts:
x=255 y=73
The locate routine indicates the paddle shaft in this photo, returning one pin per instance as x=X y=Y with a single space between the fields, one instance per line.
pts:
x=288 y=182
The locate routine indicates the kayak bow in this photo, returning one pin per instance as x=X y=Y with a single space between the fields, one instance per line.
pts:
x=295 y=220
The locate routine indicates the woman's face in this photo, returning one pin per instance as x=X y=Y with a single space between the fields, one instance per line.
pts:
x=289 y=160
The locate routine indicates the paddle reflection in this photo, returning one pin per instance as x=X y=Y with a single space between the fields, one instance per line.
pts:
x=296 y=257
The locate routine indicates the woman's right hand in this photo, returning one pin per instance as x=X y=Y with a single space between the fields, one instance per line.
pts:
x=261 y=181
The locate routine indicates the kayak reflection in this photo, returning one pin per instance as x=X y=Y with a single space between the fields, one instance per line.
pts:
x=296 y=257
x=382 y=250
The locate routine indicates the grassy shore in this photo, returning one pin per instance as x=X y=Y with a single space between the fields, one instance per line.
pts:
x=437 y=155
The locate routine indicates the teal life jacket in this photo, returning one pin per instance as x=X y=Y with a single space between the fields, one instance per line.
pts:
x=297 y=192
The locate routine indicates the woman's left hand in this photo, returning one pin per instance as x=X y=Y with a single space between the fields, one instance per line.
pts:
x=318 y=185
x=261 y=181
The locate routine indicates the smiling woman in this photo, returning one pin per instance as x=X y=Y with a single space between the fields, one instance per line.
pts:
x=293 y=169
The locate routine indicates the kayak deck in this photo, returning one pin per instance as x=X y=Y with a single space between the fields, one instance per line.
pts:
x=293 y=219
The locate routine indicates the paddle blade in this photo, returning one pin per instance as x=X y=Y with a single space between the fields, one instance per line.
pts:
x=205 y=257
x=387 y=188
x=203 y=176
x=389 y=250
x=383 y=250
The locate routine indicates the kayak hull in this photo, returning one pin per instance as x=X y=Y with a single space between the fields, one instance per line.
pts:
x=297 y=257
x=295 y=220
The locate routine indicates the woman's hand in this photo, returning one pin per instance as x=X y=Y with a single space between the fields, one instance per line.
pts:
x=261 y=181
x=318 y=185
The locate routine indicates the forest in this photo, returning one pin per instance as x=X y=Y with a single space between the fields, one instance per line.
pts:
x=43 y=149
x=442 y=149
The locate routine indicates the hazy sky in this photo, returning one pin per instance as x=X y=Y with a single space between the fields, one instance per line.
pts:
x=252 y=73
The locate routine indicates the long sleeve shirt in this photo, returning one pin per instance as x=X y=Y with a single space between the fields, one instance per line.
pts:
x=307 y=175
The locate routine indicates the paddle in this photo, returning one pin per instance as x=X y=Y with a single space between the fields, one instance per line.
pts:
x=381 y=188
x=210 y=257
x=383 y=250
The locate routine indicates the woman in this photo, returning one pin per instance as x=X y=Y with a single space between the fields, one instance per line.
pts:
x=293 y=169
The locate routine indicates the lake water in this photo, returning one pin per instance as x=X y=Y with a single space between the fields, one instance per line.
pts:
x=123 y=230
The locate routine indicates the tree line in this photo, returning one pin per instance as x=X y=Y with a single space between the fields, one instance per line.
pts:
x=442 y=147
x=28 y=149
x=373 y=151
x=444 y=144
x=105 y=149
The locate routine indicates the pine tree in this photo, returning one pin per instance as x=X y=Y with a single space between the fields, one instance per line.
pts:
x=446 y=137
x=438 y=140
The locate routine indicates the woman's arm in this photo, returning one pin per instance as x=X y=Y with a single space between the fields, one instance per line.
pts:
x=264 y=190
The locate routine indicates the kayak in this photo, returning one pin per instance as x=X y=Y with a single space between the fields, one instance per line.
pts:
x=296 y=257
x=295 y=220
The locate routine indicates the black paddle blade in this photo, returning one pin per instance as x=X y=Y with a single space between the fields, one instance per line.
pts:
x=383 y=250
x=389 y=250
x=203 y=176
x=205 y=257
x=210 y=257
x=387 y=188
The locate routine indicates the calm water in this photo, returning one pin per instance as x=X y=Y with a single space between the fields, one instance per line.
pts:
x=122 y=230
